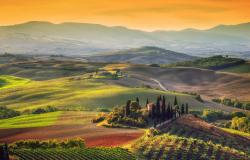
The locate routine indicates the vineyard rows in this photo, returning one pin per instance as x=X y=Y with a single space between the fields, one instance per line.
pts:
x=170 y=147
x=74 y=154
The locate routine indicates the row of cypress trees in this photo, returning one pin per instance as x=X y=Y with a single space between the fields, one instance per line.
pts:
x=162 y=112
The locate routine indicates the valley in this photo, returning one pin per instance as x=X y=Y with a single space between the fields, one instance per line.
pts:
x=58 y=98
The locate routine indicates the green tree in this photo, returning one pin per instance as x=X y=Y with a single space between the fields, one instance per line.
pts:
x=175 y=101
x=182 y=109
x=127 y=108
x=186 y=108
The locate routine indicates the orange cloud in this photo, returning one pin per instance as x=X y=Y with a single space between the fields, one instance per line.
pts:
x=142 y=14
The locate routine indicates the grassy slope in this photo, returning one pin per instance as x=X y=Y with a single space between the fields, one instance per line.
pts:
x=242 y=68
x=11 y=81
x=214 y=62
x=47 y=119
x=31 y=120
x=79 y=93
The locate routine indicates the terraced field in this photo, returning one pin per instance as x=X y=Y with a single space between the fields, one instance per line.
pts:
x=190 y=138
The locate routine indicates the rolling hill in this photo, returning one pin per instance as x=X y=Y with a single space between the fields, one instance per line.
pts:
x=143 y=55
x=87 y=39
x=80 y=93
x=191 y=138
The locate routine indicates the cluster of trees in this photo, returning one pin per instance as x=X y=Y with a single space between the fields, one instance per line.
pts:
x=233 y=103
x=241 y=124
x=133 y=114
x=8 y=113
x=44 y=110
x=4 y=152
x=161 y=112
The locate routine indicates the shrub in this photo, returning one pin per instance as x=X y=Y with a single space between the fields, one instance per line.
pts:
x=238 y=114
x=152 y=132
x=44 y=110
x=8 y=113
x=212 y=115
x=241 y=124
x=99 y=118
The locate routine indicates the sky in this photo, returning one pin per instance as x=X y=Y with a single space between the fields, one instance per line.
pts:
x=139 y=14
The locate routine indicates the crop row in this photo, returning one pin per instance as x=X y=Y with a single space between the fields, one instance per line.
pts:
x=74 y=154
x=170 y=147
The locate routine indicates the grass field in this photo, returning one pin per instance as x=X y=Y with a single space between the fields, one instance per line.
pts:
x=30 y=120
x=80 y=93
x=11 y=81
x=242 y=68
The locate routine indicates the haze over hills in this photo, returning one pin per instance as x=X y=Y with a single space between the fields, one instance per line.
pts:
x=142 y=55
x=85 y=39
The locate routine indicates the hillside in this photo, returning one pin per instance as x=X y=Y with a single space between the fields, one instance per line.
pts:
x=192 y=138
x=214 y=63
x=36 y=69
x=80 y=92
x=87 y=39
x=143 y=55
x=11 y=81
x=208 y=83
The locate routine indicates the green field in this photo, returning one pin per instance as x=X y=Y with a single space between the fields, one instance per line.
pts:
x=80 y=93
x=242 y=68
x=30 y=120
x=11 y=81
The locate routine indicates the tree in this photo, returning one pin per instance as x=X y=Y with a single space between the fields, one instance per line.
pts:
x=182 y=109
x=147 y=102
x=158 y=107
x=138 y=101
x=175 y=101
x=186 y=108
x=168 y=113
x=134 y=106
x=4 y=153
x=127 y=108
x=163 y=108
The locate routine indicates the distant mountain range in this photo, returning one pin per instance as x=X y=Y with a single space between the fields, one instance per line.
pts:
x=88 y=39
x=143 y=55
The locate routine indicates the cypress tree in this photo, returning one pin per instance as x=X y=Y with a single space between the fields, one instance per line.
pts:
x=153 y=112
x=175 y=101
x=158 y=108
x=168 y=113
x=182 y=109
x=163 y=108
x=147 y=102
x=127 y=109
x=4 y=153
x=186 y=108
x=137 y=100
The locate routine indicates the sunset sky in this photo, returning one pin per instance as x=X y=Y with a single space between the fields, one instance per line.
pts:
x=139 y=14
